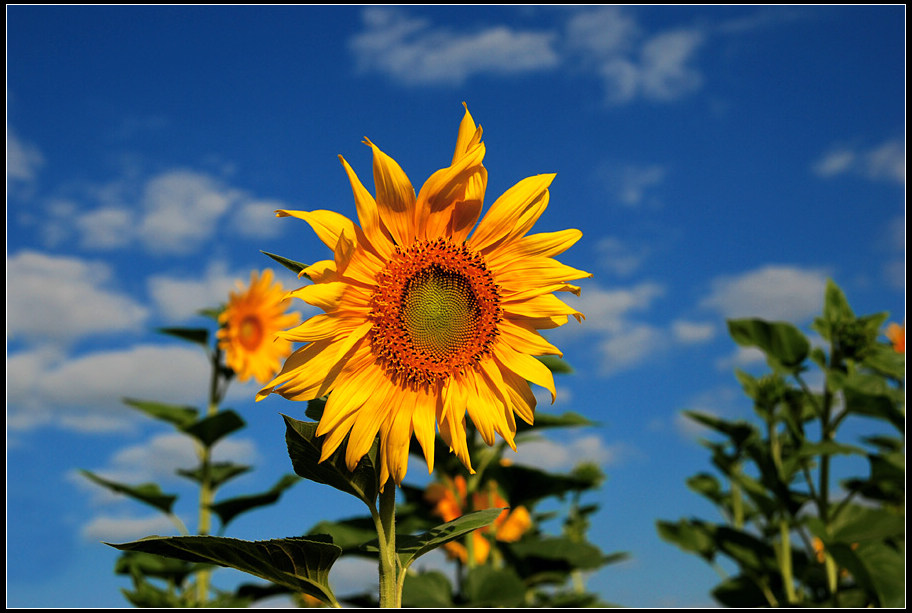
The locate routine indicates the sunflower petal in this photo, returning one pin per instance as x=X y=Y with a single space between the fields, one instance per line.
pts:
x=395 y=197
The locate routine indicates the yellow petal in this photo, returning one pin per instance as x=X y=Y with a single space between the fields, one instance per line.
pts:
x=513 y=213
x=526 y=367
x=395 y=197
x=328 y=225
x=524 y=339
x=368 y=215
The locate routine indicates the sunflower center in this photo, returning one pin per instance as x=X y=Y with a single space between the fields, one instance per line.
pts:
x=250 y=332
x=435 y=311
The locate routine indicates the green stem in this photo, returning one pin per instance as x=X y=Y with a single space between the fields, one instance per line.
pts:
x=385 y=522
x=207 y=492
x=785 y=562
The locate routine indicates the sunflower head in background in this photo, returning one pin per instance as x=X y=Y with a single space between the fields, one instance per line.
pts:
x=425 y=319
x=249 y=324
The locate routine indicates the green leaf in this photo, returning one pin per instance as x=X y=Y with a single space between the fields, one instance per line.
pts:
x=179 y=416
x=835 y=305
x=524 y=485
x=295 y=267
x=314 y=409
x=211 y=429
x=555 y=364
x=231 y=508
x=427 y=590
x=409 y=548
x=546 y=420
x=740 y=592
x=304 y=450
x=139 y=564
x=879 y=406
x=693 y=536
x=487 y=586
x=200 y=336
x=877 y=567
x=738 y=431
x=782 y=342
x=219 y=473
x=300 y=564
x=148 y=493
x=560 y=554
x=349 y=534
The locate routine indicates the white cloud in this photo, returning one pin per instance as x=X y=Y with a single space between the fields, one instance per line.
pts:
x=566 y=454
x=180 y=210
x=57 y=299
x=609 y=310
x=692 y=332
x=23 y=159
x=779 y=293
x=256 y=218
x=631 y=347
x=414 y=51
x=619 y=257
x=180 y=298
x=631 y=184
x=123 y=529
x=84 y=393
x=883 y=162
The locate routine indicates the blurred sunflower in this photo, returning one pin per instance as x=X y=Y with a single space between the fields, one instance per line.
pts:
x=449 y=499
x=897 y=335
x=249 y=325
x=423 y=322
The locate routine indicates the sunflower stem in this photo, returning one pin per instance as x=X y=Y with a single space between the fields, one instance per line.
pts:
x=207 y=493
x=385 y=521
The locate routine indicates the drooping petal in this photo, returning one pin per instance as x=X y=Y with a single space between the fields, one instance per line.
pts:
x=526 y=367
x=328 y=225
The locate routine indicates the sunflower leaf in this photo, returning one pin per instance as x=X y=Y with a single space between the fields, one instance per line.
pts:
x=295 y=267
x=231 y=508
x=179 y=416
x=409 y=548
x=300 y=564
x=200 y=336
x=211 y=429
x=218 y=472
x=304 y=449
x=148 y=493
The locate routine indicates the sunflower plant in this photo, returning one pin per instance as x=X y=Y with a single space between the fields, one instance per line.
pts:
x=431 y=312
x=794 y=535
x=242 y=347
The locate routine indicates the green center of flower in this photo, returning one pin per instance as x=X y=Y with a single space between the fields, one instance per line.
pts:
x=439 y=311
x=435 y=311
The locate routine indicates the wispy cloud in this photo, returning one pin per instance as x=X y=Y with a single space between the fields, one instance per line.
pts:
x=23 y=159
x=171 y=212
x=415 y=51
x=564 y=455
x=780 y=293
x=632 y=185
x=605 y=43
x=883 y=162
x=121 y=529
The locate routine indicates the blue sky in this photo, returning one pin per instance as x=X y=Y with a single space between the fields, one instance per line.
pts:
x=720 y=161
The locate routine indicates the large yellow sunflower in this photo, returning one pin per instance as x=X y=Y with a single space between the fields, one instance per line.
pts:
x=249 y=325
x=422 y=321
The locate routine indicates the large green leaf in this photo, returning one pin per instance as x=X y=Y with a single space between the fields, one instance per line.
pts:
x=177 y=415
x=148 y=493
x=782 y=342
x=524 y=485
x=411 y=548
x=227 y=510
x=427 y=590
x=211 y=429
x=304 y=450
x=300 y=564
x=690 y=535
x=487 y=586
x=557 y=553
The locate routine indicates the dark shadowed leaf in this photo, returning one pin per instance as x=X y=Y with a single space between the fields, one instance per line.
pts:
x=231 y=508
x=304 y=450
x=218 y=473
x=177 y=415
x=556 y=365
x=487 y=586
x=149 y=493
x=300 y=564
x=200 y=336
x=429 y=589
x=210 y=429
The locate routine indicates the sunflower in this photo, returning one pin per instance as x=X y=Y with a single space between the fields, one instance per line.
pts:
x=424 y=319
x=249 y=325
